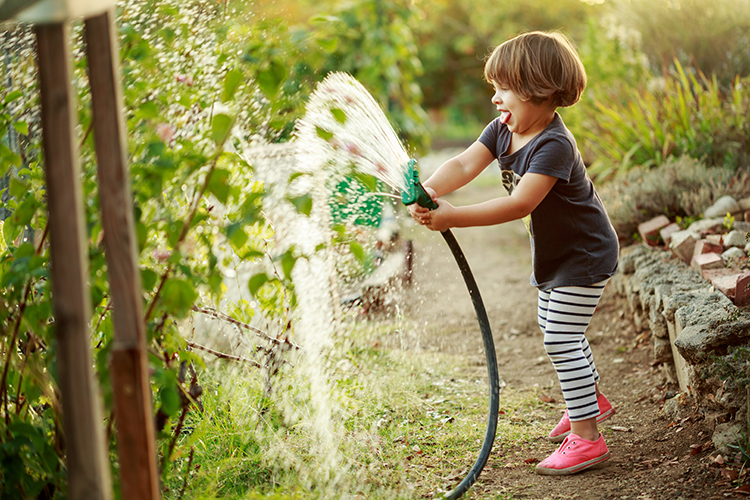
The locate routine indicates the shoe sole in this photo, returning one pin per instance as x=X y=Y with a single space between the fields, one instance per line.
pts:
x=571 y=470
x=601 y=418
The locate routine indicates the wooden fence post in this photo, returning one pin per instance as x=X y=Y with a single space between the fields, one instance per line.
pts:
x=130 y=380
x=87 y=463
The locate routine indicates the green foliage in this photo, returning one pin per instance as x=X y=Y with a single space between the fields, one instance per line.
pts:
x=681 y=188
x=373 y=41
x=455 y=36
x=681 y=113
x=714 y=38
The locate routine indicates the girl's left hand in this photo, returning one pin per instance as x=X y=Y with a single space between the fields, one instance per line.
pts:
x=440 y=217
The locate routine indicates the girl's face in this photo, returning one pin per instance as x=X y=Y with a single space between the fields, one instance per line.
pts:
x=521 y=117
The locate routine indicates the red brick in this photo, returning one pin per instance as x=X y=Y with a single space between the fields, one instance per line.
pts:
x=666 y=232
x=742 y=290
x=706 y=261
x=723 y=279
x=649 y=230
x=705 y=246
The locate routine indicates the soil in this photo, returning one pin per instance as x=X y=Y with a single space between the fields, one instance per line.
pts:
x=652 y=456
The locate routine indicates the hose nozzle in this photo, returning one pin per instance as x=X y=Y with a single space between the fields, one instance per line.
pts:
x=414 y=191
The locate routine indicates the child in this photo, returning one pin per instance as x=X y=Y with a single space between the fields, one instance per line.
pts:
x=574 y=247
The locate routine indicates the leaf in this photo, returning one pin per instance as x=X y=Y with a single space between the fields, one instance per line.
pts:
x=12 y=96
x=271 y=78
x=303 y=203
x=356 y=249
x=149 y=110
x=328 y=44
x=218 y=184
x=231 y=82
x=220 y=128
x=287 y=263
x=178 y=296
x=236 y=235
x=256 y=282
x=17 y=188
x=547 y=399
x=339 y=115
x=323 y=133
x=170 y=399
x=21 y=127
x=148 y=279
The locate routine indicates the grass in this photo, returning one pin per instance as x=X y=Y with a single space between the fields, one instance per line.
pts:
x=409 y=425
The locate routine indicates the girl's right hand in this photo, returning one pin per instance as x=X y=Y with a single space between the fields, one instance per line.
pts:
x=420 y=213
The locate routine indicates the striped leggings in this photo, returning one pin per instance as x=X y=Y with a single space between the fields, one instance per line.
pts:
x=564 y=315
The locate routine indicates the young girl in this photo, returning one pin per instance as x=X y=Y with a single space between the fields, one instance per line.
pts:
x=574 y=247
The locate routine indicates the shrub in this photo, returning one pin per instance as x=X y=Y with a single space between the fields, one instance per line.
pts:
x=681 y=187
x=680 y=113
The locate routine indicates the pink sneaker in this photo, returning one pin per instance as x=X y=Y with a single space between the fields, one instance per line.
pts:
x=562 y=429
x=574 y=455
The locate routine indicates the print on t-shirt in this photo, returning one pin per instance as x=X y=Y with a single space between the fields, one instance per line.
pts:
x=510 y=181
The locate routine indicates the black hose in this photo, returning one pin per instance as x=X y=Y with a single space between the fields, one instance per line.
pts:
x=489 y=351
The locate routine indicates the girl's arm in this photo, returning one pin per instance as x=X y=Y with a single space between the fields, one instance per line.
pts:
x=459 y=170
x=530 y=191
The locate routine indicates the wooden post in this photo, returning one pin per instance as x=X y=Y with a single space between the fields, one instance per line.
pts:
x=88 y=467
x=132 y=392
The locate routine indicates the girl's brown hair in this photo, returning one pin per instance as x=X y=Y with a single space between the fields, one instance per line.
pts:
x=537 y=66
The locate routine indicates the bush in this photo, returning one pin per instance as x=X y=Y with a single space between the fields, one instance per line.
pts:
x=680 y=113
x=681 y=187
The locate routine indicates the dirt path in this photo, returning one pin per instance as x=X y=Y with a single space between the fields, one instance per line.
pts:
x=651 y=456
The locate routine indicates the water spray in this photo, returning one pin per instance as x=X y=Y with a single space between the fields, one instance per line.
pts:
x=344 y=125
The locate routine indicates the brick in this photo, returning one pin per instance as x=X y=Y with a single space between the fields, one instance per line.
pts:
x=742 y=290
x=706 y=261
x=723 y=279
x=667 y=231
x=649 y=230
x=682 y=244
x=715 y=239
x=705 y=246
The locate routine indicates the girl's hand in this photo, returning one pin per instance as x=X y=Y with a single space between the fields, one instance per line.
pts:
x=419 y=213
x=440 y=217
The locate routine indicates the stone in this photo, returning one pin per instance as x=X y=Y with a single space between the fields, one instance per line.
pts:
x=742 y=226
x=722 y=206
x=725 y=435
x=667 y=231
x=683 y=244
x=705 y=226
x=744 y=203
x=705 y=246
x=649 y=230
x=708 y=325
x=742 y=290
x=747 y=248
x=734 y=239
x=733 y=253
x=706 y=261
x=662 y=350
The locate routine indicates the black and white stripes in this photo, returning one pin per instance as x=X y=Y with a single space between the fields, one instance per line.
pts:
x=564 y=315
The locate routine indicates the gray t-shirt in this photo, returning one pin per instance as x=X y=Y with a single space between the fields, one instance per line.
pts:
x=572 y=240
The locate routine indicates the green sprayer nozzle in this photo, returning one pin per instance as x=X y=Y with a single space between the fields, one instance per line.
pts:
x=414 y=191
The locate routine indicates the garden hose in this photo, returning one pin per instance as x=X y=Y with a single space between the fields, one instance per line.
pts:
x=415 y=193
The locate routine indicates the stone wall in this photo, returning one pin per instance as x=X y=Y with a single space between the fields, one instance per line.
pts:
x=695 y=330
